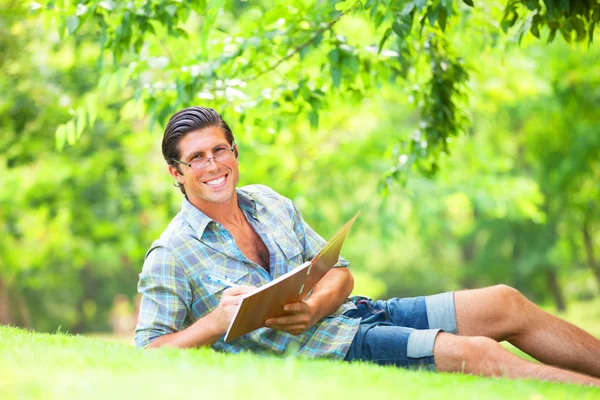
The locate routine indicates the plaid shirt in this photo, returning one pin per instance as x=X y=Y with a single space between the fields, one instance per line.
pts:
x=177 y=291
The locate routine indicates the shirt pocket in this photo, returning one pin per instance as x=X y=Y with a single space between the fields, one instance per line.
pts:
x=290 y=247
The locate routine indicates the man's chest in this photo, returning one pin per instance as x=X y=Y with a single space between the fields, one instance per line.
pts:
x=251 y=245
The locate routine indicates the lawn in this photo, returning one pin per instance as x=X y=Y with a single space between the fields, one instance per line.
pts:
x=34 y=365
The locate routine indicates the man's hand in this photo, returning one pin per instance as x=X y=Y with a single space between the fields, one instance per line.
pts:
x=208 y=329
x=299 y=319
x=224 y=312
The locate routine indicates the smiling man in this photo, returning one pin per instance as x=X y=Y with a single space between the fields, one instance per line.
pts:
x=251 y=235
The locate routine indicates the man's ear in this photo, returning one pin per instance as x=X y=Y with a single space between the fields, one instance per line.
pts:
x=175 y=173
x=236 y=151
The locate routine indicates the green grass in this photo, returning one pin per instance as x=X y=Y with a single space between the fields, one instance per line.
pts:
x=34 y=365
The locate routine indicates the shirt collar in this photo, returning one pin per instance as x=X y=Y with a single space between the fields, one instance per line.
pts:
x=199 y=221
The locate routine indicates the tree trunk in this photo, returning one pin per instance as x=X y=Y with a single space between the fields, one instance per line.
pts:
x=89 y=292
x=5 y=316
x=589 y=250
x=24 y=311
x=468 y=253
x=555 y=290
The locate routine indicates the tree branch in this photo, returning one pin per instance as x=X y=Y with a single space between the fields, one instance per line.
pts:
x=296 y=50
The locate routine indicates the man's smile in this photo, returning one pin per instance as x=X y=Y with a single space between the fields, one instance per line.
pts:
x=217 y=182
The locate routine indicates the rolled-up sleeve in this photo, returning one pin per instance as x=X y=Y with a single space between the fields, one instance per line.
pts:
x=166 y=297
x=311 y=240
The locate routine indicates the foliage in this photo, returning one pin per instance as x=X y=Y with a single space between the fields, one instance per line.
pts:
x=64 y=256
x=276 y=64
x=82 y=367
x=321 y=107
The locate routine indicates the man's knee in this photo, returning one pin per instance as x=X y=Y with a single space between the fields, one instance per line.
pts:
x=471 y=355
x=508 y=295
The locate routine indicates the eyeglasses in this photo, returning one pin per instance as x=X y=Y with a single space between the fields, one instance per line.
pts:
x=220 y=154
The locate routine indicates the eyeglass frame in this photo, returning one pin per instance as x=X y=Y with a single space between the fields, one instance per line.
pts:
x=189 y=164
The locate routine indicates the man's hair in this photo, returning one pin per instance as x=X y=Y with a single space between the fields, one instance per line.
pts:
x=186 y=121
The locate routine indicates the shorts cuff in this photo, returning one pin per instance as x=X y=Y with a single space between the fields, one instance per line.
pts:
x=420 y=343
x=441 y=313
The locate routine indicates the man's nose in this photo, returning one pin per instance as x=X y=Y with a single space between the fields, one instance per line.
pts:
x=212 y=164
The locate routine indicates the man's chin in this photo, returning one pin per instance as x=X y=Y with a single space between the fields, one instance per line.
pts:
x=220 y=198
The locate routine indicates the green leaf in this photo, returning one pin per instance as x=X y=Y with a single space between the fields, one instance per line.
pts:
x=469 y=3
x=579 y=27
x=550 y=9
x=369 y=4
x=304 y=51
x=402 y=26
x=313 y=117
x=171 y=9
x=72 y=24
x=91 y=110
x=535 y=30
x=61 y=136
x=565 y=5
x=408 y=8
x=71 y=133
x=535 y=25
x=420 y=4
x=443 y=15
x=384 y=38
x=343 y=5
x=432 y=15
x=80 y=121
x=510 y=18
x=350 y=63
x=334 y=56
x=336 y=76
x=551 y=35
x=566 y=35
x=179 y=32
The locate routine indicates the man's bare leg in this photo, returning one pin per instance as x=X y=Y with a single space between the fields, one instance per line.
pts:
x=483 y=356
x=502 y=313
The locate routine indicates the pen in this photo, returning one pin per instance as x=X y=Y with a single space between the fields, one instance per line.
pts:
x=220 y=281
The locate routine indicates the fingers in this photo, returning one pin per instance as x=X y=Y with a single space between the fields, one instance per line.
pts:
x=287 y=321
x=230 y=301
x=238 y=290
x=297 y=308
x=233 y=296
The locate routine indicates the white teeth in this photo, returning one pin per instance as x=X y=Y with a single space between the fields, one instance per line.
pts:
x=216 y=182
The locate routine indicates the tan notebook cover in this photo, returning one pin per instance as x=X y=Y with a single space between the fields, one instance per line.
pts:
x=268 y=300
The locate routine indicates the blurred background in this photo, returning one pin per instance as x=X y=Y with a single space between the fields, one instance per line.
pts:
x=515 y=199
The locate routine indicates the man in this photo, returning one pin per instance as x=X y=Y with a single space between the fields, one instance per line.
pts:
x=252 y=235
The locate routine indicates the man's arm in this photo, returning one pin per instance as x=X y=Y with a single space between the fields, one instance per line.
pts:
x=166 y=303
x=206 y=330
x=330 y=293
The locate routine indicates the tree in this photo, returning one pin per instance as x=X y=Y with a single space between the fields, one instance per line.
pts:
x=65 y=213
x=276 y=64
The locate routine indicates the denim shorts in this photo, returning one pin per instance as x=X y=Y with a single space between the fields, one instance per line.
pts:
x=401 y=331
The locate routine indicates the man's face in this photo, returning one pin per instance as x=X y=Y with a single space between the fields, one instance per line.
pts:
x=217 y=182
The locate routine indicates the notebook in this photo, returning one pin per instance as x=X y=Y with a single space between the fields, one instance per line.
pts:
x=268 y=300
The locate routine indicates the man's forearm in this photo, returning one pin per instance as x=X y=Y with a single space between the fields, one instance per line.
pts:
x=207 y=330
x=203 y=332
x=331 y=292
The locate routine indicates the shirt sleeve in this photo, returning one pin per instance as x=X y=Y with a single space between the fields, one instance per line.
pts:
x=311 y=241
x=166 y=297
